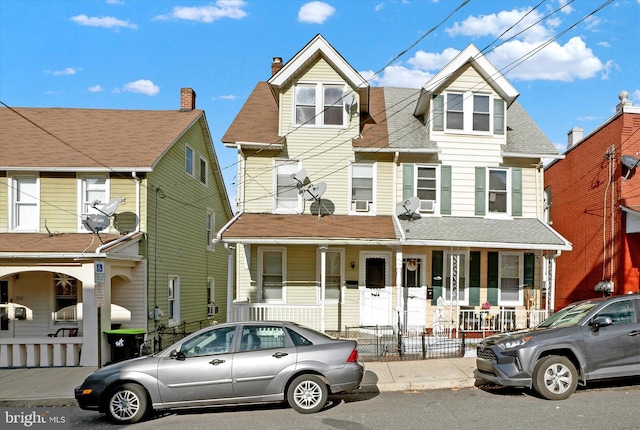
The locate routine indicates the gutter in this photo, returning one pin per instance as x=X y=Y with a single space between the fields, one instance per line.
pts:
x=226 y=226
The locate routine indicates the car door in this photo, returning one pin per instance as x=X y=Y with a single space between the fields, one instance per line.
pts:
x=264 y=361
x=201 y=369
x=614 y=350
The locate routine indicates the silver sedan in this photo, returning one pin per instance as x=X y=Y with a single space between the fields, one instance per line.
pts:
x=233 y=363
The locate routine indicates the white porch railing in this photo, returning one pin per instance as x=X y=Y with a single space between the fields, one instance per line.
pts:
x=500 y=319
x=40 y=351
x=307 y=315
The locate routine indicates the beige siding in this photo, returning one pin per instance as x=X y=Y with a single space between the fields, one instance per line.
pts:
x=59 y=203
x=124 y=188
x=259 y=183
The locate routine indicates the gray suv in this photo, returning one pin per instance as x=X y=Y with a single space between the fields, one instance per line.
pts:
x=587 y=340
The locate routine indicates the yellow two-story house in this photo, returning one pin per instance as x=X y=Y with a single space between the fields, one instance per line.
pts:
x=376 y=206
x=107 y=222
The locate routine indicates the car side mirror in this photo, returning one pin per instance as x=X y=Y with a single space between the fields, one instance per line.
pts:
x=178 y=355
x=601 y=321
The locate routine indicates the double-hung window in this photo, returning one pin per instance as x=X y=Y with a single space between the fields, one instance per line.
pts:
x=286 y=197
x=272 y=274
x=511 y=277
x=498 y=191
x=481 y=114
x=204 y=171
x=174 y=300
x=210 y=225
x=333 y=275
x=93 y=191
x=427 y=187
x=319 y=105
x=362 y=187
x=189 y=161
x=468 y=112
x=25 y=197
x=455 y=111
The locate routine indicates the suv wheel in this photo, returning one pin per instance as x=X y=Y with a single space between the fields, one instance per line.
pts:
x=555 y=377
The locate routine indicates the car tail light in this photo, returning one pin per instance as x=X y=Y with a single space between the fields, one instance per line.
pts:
x=353 y=357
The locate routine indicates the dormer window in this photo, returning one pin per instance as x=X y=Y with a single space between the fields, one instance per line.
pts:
x=319 y=105
x=467 y=112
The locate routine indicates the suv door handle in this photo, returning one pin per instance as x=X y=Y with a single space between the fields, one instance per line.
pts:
x=280 y=354
x=216 y=361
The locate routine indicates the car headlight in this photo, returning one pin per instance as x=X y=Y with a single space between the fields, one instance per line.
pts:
x=510 y=344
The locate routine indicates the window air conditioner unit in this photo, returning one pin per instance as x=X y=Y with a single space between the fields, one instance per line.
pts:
x=212 y=310
x=427 y=205
x=362 y=206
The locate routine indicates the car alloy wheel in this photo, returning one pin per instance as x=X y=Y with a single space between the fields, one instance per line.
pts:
x=307 y=394
x=127 y=404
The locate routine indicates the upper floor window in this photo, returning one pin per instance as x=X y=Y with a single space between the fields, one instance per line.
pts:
x=94 y=190
x=204 y=171
x=468 y=112
x=189 y=161
x=24 y=192
x=272 y=274
x=362 y=187
x=498 y=192
x=427 y=187
x=211 y=228
x=319 y=104
x=286 y=198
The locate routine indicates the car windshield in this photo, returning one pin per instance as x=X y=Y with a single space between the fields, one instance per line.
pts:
x=568 y=316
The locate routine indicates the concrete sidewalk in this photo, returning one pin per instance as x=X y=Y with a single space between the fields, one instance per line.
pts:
x=54 y=386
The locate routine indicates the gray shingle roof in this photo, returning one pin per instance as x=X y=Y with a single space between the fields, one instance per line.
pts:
x=519 y=233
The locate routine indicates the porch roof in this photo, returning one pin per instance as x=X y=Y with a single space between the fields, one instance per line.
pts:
x=518 y=233
x=43 y=245
x=309 y=229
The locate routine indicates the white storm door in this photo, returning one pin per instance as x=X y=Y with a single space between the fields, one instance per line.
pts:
x=413 y=293
x=375 y=289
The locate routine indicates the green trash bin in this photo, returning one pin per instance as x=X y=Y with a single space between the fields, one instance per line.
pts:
x=125 y=343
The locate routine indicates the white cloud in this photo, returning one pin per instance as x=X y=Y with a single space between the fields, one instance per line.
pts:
x=223 y=9
x=227 y=97
x=142 y=86
x=104 y=22
x=432 y=61
x=69 y=71
x=398 y=76
x=635 y=96
x=95 y=89
x=379 y=7
x=315 y=12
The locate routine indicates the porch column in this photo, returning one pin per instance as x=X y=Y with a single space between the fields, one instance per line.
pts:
x=401 y=305
x=323 y=282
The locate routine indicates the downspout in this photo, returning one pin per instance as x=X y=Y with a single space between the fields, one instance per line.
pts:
x=230 y=280
x=138 y=180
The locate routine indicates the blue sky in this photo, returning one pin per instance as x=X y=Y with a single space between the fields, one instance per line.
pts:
x=133 y=54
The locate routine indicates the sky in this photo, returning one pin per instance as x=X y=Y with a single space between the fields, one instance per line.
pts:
x=569 y=60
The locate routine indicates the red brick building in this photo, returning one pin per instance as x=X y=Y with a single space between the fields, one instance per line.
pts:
x=593 y=200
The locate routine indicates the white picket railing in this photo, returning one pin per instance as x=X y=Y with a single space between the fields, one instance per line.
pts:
x=307 y=315
x=501 y=319
x=40 y=351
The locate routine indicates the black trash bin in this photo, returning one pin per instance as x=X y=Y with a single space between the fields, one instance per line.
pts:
x=125 y=343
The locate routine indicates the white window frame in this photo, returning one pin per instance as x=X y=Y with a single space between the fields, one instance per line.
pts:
x=319 y=104
x=341 y=283
x=507 y=193
x=210 y=226
x=436 y=204
x=85 y=206
x=519 y=301
x=461 y=288
x=372 y=203
x=16 y=203
x=261 y=252
x=290 y=167
x=468 y=112
x=173 y=300
x=212 y=308
x=203 y=177
x=189 y=161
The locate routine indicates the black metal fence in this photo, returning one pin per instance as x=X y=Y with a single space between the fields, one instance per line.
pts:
x=384 y=343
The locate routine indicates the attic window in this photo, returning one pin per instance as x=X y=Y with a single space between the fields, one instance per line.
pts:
x=319 y=105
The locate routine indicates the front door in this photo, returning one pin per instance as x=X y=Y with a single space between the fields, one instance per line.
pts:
x=413 y=297
x=375 y=290
x=5 y=321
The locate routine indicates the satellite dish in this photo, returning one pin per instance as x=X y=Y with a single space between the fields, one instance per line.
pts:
x=300 y=176
x=95 y=222
x=110 y=208
x=407 y=208
x=350 y=102
x=314 y=191
x=630 y=161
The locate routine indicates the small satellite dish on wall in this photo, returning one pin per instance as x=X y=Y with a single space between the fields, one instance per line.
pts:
x=630 y=162
x=300 y=177
x=110 y=208
x=407 y=209
x=313 y=192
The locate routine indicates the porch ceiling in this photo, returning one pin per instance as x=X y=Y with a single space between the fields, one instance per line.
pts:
x=295 y=228
x=519 y=233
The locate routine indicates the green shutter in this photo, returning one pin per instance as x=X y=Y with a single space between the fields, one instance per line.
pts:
x=474 y=278
x=492 y=278
x=481 y=178
x=436 y=275
x=445 y=190
x=516 y=191
x=407 y=181
x=438 y=113
x=498 y=116
x=530 y=269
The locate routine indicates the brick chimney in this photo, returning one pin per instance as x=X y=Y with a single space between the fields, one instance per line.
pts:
x=187 y=99
x=574 y=136
x=276 y=65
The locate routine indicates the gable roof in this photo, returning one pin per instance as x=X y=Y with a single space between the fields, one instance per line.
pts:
x=317 y=48
x=66 y=139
